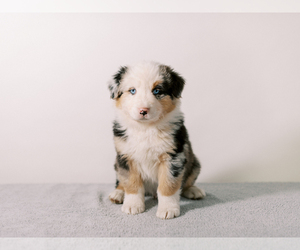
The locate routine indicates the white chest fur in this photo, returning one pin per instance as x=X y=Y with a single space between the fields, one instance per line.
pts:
x=145 y=146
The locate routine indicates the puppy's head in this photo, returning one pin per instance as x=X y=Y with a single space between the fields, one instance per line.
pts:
x=147 y=91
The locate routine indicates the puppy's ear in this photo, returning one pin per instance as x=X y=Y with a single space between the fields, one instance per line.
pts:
x=114 y=85
x=174 y=80
x=177 y=84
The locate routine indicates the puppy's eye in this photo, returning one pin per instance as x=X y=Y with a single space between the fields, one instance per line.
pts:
x=156 y=91
x=132 y=91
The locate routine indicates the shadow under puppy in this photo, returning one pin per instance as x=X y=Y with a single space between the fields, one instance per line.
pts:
x=154 y=154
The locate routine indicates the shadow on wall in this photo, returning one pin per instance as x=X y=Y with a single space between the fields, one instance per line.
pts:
x=278 y=162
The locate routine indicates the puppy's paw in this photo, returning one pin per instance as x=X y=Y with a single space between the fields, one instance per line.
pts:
x=133 y=204
x=117 y=196
x=168 y=213
x=194 y=193
x=168 y=206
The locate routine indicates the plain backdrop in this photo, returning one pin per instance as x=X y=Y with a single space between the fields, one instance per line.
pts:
x=241 y=100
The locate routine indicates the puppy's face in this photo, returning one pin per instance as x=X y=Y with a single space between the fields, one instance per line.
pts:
x=146 y=92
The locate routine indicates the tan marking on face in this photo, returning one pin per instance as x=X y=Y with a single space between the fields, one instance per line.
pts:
x=155 y=84
x=167 y=185
x=119 y=102
x=167 y=104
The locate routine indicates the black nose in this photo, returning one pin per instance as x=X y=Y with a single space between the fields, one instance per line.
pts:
x=143 y=112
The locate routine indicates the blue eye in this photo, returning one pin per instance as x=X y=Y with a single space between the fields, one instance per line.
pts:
x=132 y=91
x=155 y=91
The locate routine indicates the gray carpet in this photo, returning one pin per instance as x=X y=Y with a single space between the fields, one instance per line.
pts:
x=83 y=210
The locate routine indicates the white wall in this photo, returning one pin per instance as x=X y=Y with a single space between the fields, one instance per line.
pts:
x=241 y=100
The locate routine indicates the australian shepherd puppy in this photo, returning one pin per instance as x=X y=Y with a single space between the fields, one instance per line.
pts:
x=154 y=154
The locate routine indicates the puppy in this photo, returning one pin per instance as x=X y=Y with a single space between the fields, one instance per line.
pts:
x=154 y=154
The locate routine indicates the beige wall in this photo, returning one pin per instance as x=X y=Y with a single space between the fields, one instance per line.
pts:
x=241 y=100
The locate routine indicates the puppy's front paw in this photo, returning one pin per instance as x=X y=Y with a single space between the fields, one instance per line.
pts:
x=167 y=213
x=133 y=204
x=117 y=196
x=168 y=206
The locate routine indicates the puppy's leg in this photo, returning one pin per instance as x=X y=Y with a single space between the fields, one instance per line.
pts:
x=134 y=201
x=189 y=190
x=168 y=192
x=117 y=196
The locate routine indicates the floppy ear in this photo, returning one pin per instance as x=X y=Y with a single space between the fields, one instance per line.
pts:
x=175 y=81
x=114 y=85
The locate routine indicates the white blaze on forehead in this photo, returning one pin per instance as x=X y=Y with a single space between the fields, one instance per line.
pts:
x=141 y=75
